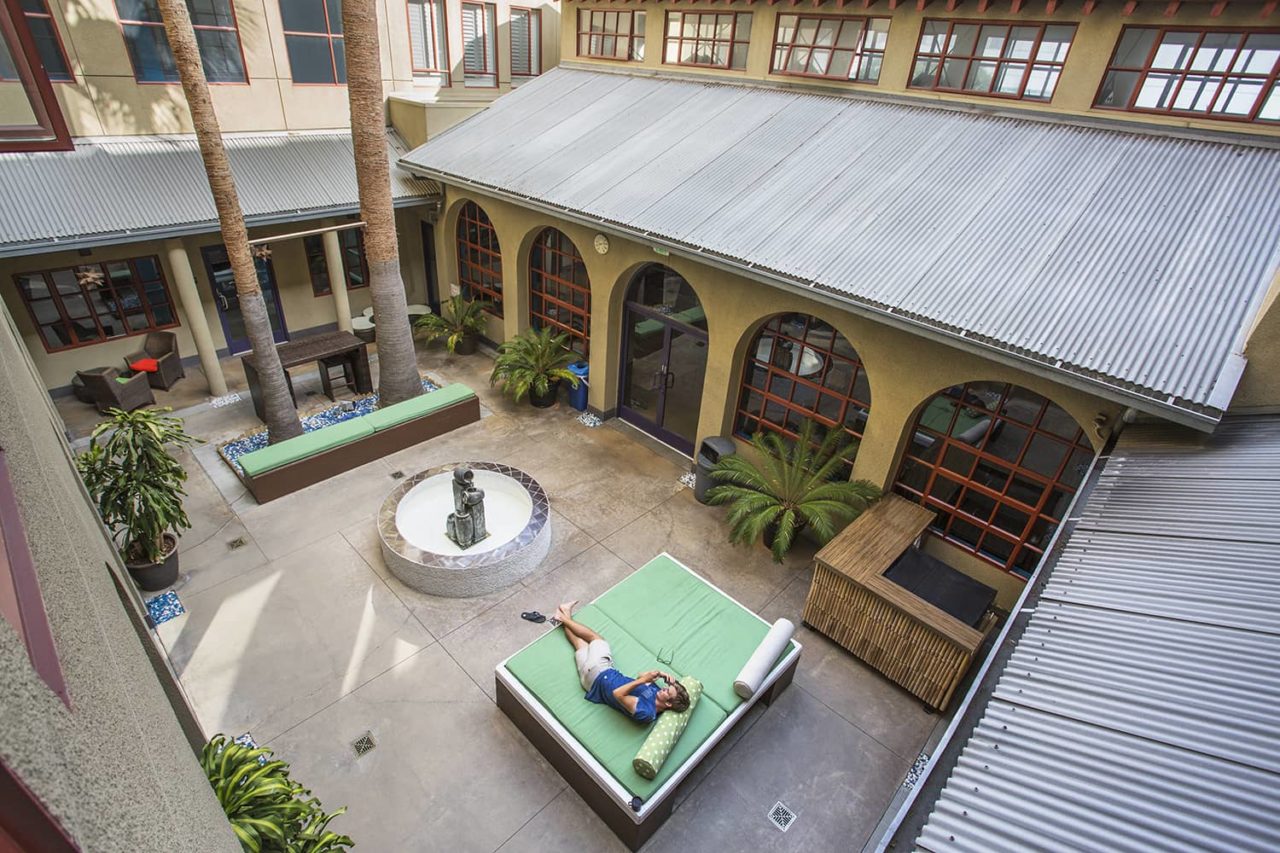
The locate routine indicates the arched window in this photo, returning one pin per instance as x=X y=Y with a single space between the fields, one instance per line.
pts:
x=999 y=465
x=479 y=257
x=799 y=367
x=559 y=291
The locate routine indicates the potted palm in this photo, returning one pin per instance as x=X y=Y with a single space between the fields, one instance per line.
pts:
x=534 y=363
x=137 y=487
x=460 y=329
x=793 y=485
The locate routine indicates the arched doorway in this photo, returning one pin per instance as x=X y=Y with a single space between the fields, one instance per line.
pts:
x=664 y=356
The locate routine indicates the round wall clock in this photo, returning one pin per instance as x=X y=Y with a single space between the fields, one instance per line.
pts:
x=602 y=244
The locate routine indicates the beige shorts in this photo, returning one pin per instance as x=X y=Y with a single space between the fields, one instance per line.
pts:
x=592 y=660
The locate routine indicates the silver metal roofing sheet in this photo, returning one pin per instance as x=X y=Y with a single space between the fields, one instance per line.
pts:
x=125 y=187
x=1133 y=259
x=1140 y=707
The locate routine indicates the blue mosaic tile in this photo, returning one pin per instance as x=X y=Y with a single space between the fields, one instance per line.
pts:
x=916 y=770
x=246 y=740
x=335 y=414
x=164 y=607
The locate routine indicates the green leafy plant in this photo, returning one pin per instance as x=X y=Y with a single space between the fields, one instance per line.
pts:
x=135 y=483
x=269 y=812
x=789 y=488
x=531 y=362
x=466 y=317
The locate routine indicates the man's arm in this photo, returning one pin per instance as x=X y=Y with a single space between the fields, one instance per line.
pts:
x=623 y=693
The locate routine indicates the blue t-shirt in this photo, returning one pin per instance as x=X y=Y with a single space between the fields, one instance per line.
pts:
x=601 y=693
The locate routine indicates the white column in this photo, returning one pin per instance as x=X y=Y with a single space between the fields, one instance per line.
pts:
x=337 y=279
x=184 y=280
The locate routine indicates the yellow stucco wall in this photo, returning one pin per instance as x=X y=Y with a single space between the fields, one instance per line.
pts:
x=904 y=370
x=1259 y=388
x=1091 y=49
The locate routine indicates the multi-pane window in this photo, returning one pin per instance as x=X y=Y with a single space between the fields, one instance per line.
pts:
x=1225 y=74
x=1004 y=60
x=428 y=39
x=48 y=45
x=313 y=38
x=709 y=39
x=800 y=368
x=479 y=46
x=215 y=24
x=30 y=118
x=354 y=267
x=559 y=291
x=526 y=42
x=94 y=302
x=999 y=465
x=611 y=35
x=839 y=48
x=479 y=257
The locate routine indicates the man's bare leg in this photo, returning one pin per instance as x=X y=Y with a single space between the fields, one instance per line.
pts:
x=572 y=626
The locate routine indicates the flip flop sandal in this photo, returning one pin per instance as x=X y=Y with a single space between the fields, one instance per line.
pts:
x=533 y=616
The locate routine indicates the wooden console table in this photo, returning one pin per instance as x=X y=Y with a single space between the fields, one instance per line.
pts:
x=914 y=643
x=312 y=349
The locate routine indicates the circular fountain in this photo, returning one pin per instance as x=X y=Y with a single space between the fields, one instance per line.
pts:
x=455 y=534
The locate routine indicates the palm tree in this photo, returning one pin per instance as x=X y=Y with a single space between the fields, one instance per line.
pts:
x=398 y=378
x=282 y=415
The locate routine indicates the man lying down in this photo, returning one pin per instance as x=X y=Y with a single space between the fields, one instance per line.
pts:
x=639 y=698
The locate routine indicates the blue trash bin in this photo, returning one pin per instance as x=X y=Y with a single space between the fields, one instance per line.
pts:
x=578 y=396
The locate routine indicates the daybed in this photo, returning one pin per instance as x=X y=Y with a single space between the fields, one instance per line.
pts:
x=293 y=464
x=662 y=616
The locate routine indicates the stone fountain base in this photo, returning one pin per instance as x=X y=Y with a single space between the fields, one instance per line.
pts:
x=411 y=527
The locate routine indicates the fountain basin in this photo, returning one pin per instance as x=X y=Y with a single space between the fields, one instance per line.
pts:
x=411 y=527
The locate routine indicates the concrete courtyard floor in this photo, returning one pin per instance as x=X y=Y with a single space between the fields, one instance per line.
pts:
x=296 y=633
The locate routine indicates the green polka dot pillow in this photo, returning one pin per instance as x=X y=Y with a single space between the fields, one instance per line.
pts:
x=665 y=732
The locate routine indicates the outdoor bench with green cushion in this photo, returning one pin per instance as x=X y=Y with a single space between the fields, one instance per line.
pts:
x=295 y=463
x=663 y=616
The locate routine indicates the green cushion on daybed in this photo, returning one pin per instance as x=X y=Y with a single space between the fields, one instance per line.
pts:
x=303 y=446
x=546 y=669
x=419 y=406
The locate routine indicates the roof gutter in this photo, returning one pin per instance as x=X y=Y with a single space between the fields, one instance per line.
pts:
x=1162 y=409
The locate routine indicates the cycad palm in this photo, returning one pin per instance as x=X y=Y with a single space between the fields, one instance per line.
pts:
x=790 y=487
x=531 y=362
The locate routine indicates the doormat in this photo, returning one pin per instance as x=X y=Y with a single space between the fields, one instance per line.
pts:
x=164 y=607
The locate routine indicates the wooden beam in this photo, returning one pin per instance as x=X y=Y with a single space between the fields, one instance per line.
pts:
x=1218 y=9
x=1171 y=8
x=952 y=4
x=1130 y=7
x=893 y=4
x=1050 y=6
x=1268 y=9
x=1016 y=6
x=1089 y=6
x=921 y=4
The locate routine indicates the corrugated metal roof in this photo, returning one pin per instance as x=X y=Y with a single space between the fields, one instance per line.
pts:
x=1131 y=259
x=1140 y=708
x=130 y=187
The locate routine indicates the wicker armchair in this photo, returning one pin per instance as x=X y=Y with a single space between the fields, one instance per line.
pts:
x=108 y=393
x=163 y=347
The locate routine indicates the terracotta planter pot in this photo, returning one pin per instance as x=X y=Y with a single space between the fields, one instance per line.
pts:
x=547 y=400
x=466 y=345
x=153 y=577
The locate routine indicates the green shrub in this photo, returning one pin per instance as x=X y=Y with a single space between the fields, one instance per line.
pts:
x=531 y=362
x=465 y=317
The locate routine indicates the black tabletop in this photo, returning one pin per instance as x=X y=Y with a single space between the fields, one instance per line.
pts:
x=932 y=580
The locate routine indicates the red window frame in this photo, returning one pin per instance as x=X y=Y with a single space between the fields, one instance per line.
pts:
x=68 y=323
x=534 y=47
x=952 y=470
x=780 y=58
x=46 y=15
x=489 y=15
x=632 y=38
x=1270 y=82
x=437 y=27
x=318 y=263
x=774 y=395
x=49 y=130
x=734 y=42
x=552 y=296
x=330 y=35
x=479 y=257
x=234 y=28
x=1030 y=63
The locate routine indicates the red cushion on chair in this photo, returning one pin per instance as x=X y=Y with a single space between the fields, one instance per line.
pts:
x=148 y=365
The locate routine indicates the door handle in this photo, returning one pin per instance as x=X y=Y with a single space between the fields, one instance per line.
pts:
x=670 y=381
x=656 y=381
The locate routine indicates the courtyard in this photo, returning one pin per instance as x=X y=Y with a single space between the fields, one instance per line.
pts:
x=295 y=633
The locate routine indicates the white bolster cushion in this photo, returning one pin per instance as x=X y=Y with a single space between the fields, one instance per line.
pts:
x=761 y=660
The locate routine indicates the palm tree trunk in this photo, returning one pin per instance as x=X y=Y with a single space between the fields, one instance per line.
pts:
x=398 y=378
x=282 y=415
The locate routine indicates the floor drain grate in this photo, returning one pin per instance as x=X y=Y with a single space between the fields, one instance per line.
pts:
x=781 y=816
x=238 y=542
x=363 y=744
x=397 y=475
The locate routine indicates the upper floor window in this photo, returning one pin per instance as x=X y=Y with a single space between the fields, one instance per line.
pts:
x=30 y=118
x=215 y=24
x=354 y=267
x=526 y=43
x=313 y=37
x=479 y=47
x=839 y=48
x=611 y=35
x=1226 y=74
x=707 y=39
x=93 y=302
x=429 y=40
x=48 y=44
x=998 y=59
